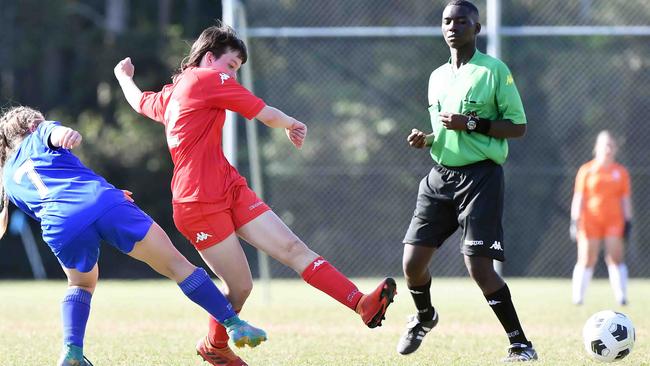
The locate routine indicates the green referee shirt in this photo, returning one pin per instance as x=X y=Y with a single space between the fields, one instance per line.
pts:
x=484 y=86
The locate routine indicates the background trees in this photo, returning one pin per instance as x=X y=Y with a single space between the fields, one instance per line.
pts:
x=350 y=192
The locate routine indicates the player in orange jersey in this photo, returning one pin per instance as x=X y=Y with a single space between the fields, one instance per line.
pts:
x=601 y=212
x=213 y=205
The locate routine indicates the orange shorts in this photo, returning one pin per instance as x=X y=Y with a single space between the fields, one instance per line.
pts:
x=207 y=224
x=594 y=228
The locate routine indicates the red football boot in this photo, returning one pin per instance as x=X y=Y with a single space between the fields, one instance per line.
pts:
x=217 y=356
x=372 y=307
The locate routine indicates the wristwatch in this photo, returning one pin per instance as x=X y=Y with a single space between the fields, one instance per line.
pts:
x=471 y=123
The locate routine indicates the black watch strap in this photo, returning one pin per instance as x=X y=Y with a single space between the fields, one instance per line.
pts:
x=483 y=126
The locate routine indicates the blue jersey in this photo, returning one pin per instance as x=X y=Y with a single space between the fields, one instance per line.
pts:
x=54 y=187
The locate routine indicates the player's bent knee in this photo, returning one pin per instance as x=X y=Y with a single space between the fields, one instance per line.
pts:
x=413 y=269
x=483 y=275
x=87 y=285
x=84 y=280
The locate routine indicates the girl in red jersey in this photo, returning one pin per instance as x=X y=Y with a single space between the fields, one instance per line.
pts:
x=601 y=212
x=213 y=206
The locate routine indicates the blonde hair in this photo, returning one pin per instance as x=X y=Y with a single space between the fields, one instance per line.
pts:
x=603 y=135
x=15 y=124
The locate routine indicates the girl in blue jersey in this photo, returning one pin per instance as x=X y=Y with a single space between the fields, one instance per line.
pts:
x=76 y=209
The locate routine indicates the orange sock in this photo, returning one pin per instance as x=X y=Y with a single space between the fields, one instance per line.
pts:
x=325 y=277
x=217 y=334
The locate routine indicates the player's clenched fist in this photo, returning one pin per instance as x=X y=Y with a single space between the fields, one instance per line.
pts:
x=124 y=68
x=417 y=139
x=453 y=121
x=65 y=137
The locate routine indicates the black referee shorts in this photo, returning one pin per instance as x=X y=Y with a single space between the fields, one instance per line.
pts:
x=471 y=197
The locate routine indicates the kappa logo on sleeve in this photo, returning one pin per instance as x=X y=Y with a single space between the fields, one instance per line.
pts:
x=509 y=79
x=224 y=77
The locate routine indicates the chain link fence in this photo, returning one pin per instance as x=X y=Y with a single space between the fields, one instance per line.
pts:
x=349 y=194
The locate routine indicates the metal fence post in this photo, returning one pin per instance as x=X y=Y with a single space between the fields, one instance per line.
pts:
x=493 y=19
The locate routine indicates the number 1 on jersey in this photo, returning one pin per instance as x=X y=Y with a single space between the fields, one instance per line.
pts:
x=32 y=175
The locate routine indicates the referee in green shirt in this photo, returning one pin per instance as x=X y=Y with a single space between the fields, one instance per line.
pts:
x=475 y=107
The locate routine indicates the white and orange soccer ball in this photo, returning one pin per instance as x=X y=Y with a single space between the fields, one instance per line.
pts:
x=608 y=336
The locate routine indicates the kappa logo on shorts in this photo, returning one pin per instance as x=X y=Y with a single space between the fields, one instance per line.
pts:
x=224 y=77
x=473 y=243
x=255 y=205
x=202 y=236
x=496 y=246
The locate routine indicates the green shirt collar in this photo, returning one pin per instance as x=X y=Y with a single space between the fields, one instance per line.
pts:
x=475 y=56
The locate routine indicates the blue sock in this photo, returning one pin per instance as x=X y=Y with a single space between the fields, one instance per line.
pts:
x=199 y=288
x=75 y=310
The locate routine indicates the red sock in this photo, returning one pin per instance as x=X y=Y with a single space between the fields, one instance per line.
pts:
x=322 y=275
x=217 y=333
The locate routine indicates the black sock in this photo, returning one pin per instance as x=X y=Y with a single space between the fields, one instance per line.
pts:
x=422 y=298
x=501 y=304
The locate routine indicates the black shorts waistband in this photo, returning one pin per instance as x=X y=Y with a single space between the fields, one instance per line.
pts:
x=464 y=168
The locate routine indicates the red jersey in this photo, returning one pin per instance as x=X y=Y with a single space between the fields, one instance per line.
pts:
x=193 y=110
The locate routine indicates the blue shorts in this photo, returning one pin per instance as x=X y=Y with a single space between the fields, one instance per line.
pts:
x=121 y=226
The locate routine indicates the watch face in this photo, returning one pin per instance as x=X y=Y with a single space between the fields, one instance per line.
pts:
x=471 y=124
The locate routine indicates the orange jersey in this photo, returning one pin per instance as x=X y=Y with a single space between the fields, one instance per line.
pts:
x=193 y=110
x=603 y=189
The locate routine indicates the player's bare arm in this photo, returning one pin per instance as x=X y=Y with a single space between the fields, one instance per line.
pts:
x=503 y=129
x=627 y=208
x=275 y=118
x=65 y=137
x=419 y=139
x=576 y=208
x=124 y=71
x=4 y=215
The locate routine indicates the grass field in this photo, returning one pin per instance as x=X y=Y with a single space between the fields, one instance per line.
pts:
x=151 y=323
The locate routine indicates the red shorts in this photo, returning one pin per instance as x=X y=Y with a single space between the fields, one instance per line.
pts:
x=596 y=228
x=206 y=224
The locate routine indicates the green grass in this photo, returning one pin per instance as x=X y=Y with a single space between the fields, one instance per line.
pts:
x=152 y=323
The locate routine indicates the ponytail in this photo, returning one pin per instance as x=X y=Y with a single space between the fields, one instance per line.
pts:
x=4 y=202
x=15 y=124
x=4 y=214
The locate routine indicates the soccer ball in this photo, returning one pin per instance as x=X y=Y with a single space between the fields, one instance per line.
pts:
x=608 y=336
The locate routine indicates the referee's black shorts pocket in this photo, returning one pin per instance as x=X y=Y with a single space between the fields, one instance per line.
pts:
x=434 y=218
